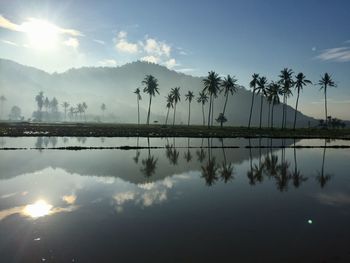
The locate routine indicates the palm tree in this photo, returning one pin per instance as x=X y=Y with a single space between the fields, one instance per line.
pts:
x=261 y=88
x=151 y=87
x=65 y=106
x=138 y=98
x=325 y=82
x=229 y=85
x=287 y=83
x=202 y=98
x=175 y=94
x=80 y=110
x=274 y=91
x=211 y=86
x=2 y=102
x=189 y=96
x=84 y=109
x=71 y=112
x=103 y=108
x=40 y=102
x=300 y=82
x=46 y=104
x=169 y=104
x=253 y=83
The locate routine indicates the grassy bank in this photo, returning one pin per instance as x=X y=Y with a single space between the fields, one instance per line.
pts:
x=133 y=130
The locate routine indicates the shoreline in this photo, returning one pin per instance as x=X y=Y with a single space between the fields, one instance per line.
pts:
x=25 y=129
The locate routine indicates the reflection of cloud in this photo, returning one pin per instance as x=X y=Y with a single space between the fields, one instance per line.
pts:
x=153 y=197
x=146 y=186
x=121 y=198
x=335 y=199
x=105 y=180
x=69 y=199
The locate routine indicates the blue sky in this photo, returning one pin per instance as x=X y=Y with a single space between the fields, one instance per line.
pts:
x=231 y=37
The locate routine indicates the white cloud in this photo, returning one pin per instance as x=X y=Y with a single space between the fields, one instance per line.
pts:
x=9 y=43
x=150 y=59
x=123 y=45
x=339 y=54
x=108 y=63
x=71 y=42
x=186 y=70
x=101 y=42
x=171 y=63
x=157 y=48
x=27 y=26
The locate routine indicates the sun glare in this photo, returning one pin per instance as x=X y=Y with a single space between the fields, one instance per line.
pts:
x=38 y=209
x=42 y=34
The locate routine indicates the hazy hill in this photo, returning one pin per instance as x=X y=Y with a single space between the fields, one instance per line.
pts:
x=115 y=86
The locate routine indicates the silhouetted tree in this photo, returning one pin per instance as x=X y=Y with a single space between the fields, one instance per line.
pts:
x=261 y=89
x=211 y=86
x=151 y=88
x=103 y=109
x=202 y=98
x=274 y=92
x=2 y=102
x=229 y=85
x=175 y=94
x=138 y=98
x=300 y=82
x=169 y=104
x=189 y=96
x=85 y=108
x=40 y=102
x=65 y=106
x=287 y=83
x=326 y=82
x=15 y=113
x=253 y=84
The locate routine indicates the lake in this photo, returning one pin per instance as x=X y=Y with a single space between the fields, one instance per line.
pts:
x=174 y=200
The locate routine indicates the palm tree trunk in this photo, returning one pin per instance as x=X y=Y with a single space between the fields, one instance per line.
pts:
x=167 y=115
x=189 y=113
x=273 y=105
x=283 y=111
x=203 y=114
x=296 y=110
x=223 y=111
x=268 y=116
x=251 y=109
x=138 y=112
x=149 y=109
x=325 y=104
x=261 y=109
x=285 y=114
x=210 y=100
x=212 y=113
x=174 y=114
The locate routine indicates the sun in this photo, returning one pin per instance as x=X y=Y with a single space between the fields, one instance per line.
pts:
x=42 y=35
x=38 y=209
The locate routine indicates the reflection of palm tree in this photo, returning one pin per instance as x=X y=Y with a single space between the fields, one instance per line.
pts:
x=174 y=156
x=209 y=172
x=149 y=164
x=188 y=155
x=271 y=165
x=201 y=155
x=325 y=82
x=136 y=158
x=283 y=176
x=151 y=88
x=297 y=177
x=323 y=178
x=202 y=98
x=226 y=170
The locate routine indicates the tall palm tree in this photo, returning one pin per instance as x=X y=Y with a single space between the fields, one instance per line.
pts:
x=103 y=108
x=229 y=85
x=300 y=82
x=189 y=96
x=169 y=104
x=253 y=83
x=261 y=89
x=274 y=92
x=138 y=98
x=202 y=98
x=84 y=109
x=325 y=82
x=287 y=83
x=71 y=112
x=2 y=102
x=211 y=86
x=151 y=87
x=80 y=110
x=175 y=94
x=40 y=102
x=65 y=106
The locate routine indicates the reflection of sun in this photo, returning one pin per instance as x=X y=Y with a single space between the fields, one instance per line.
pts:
x=41 y=34
x=38 y=209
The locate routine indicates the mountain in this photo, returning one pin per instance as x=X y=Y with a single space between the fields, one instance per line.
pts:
x=114 y=87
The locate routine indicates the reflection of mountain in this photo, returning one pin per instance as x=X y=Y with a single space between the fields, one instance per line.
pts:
x=115 y=163
x=114 y=87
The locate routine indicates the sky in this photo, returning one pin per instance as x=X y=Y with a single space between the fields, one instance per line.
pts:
x=193 y=37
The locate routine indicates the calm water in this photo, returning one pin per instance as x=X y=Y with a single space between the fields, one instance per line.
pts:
x=174 y=203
